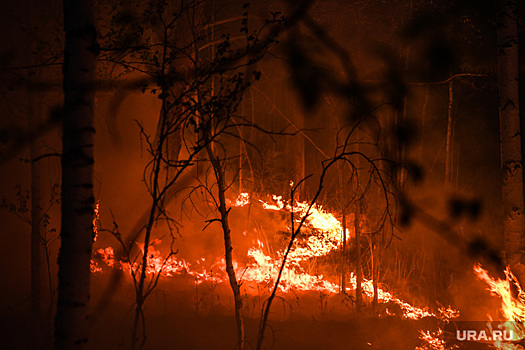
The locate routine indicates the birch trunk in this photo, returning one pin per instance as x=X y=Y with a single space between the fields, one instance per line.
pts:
x=510 y=138
x=36 y=231
x=71 y=323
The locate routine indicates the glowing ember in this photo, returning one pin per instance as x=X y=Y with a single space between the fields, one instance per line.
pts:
x=107 y=255
x=96 y=219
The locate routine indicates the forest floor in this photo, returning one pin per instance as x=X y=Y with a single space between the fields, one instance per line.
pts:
x=298 y=321
x=174 y=322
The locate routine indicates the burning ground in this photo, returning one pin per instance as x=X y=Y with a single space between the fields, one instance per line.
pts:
x=310 y=287
x=312 y=311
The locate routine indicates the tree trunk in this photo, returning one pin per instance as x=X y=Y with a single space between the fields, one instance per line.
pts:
x=375 y=270
x=422 y=125
x=448 y=152
x=220 y=178
x=359 y=272
x=343 y=260
x=37 y=324
x=511 y=160
x=221 y=185
x=36 y=232
x=169 y=126
x=71 y=323
x=401 y=116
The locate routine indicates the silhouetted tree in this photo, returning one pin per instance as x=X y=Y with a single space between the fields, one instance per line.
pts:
x=80 y=56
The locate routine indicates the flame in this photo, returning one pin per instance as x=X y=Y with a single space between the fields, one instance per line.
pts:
x=329 y=229
x=241 y=200
x=512 y=308
x=264 y=270
x=512 y=311
x=432 y=340
x=157 y=263
x=324 y=236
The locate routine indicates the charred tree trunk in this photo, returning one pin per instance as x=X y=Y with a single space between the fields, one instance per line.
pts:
x=511 y=158
x=81 y=49
x=221 y=185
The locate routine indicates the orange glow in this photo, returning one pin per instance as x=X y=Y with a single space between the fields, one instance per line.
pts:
x=262 y=269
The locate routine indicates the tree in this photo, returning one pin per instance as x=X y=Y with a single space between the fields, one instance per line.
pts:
x=36 y=230
x=510 y=138
x=80 y=56
x=220 y=176
x=200 y=83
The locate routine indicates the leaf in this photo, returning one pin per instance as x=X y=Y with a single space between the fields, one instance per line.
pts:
x=464 y=207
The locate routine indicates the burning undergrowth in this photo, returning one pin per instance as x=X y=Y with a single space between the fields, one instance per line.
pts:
x=511 y=312
x=308 y=271
x=310 y=287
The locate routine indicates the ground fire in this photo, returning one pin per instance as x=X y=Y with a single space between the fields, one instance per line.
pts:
x=327 y=237
x=262 y=268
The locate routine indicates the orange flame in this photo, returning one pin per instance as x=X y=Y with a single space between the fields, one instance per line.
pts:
x=433 y=340
x=512 y=308
x=263 y=269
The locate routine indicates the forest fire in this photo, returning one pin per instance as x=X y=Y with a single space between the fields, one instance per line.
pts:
x=512 y=306
x=139 y=162
x=263 y=268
